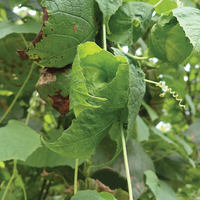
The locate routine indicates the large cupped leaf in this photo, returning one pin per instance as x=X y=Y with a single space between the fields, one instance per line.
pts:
x=99 y=91
x=104 y=89
x=66 y=24
x=130 y=22
x=174 y=38
x=18 y=141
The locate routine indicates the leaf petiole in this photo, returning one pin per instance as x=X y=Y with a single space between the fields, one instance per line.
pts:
x=19 y=92
x=14 y=175
x=136 y=57
x=158 y=3
x=104 y=35
x=75 y=176
x=126 y=163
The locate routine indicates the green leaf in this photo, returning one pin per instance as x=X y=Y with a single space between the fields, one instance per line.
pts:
x=18 y=141
x=93 y=75
x=171 y=167
x=44 y=157
x=160 y=189
x=139 y=162
x=171 y=139
x=190 y=102
x=107 y=196
x=130 y=22
x=87 y=194
x=13 y=69
x=10 y=14
x=164 y=6
x=8 y=27
x=152 y=114
x=54 y=86
x=108 y=8
x=174 y=39
x=64 y=28
x=137 y=88
x=142 y=130
x=193 y=133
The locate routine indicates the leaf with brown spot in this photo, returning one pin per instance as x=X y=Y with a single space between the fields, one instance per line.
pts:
x=53 y=87
x=14 y=69
x=62 y=31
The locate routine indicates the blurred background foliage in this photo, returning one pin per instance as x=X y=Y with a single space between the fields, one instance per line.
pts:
x=165 y=138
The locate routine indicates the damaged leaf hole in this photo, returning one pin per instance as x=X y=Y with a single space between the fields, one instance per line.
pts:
x=58 y=101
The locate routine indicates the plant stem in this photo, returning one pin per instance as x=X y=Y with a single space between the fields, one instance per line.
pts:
x=136 y=57
x=24 y=40
x=140 y=58
x=23 y=188
x=11 y=179
x=126 y=163
x=149 y=81
x=19 y=92
x=75 y=176
x=158 y=3
x=104 y=35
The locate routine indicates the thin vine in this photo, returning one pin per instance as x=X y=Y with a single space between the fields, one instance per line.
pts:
x=75 y=176
x=130 y=191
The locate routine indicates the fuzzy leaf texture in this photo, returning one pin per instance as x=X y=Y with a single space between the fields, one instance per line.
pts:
x=174 y=38
x=66 y=24
x=99 y=92
x=130 y=22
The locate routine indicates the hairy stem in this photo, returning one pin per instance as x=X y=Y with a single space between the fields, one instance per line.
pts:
x=75 y=176
x=104 y=35
x=11 y=179
x=126 y=163
x=19 y=92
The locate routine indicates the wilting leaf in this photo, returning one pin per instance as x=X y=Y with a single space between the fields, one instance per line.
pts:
x=65 y=26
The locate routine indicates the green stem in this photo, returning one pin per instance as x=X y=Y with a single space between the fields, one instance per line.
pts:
x=140 y=58
x=23 y=188
x=158 y=3
x=75 y=176
x=126 y=163
x=104 y=35
x=149 y=81
x=24 y=40
x=136 y=57
x=16 y=97
x=11 y=179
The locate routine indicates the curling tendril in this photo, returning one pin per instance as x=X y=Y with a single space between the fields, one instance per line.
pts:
x=167 y=89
